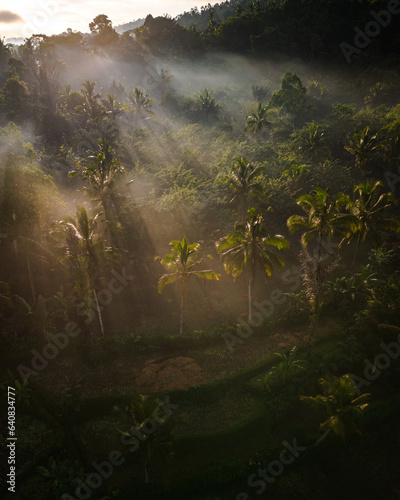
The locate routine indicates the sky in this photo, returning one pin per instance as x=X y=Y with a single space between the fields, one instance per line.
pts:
x=22 y=18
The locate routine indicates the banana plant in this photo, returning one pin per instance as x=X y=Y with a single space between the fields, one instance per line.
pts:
x=285 y=367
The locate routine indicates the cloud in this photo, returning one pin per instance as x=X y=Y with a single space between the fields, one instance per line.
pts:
x=8 y=17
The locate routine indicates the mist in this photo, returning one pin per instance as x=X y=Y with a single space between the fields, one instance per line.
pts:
x=199 y=235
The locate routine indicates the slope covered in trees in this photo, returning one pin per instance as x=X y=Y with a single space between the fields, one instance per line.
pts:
x=245 y=170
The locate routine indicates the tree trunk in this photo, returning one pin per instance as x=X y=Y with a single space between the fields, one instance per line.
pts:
x=249 y=292
x=356 y=250
x=98 y=312
x=322 y=437
x=311 y=329
x=182 y=311
x=30 y=273
x=315 y=305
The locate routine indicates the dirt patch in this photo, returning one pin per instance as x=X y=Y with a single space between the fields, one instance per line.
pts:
x=290 y=339
x=163 y=374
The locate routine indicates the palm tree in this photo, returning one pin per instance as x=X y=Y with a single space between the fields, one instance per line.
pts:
x=83 y=252
x=91 y=107
x=154 y=445
x=248 y=246
x=205 y=105
x=102 y=173
x=362 y=146
x=181 y=265
x=323 y=218
x=113 y=107
x=258 y=120
x=341 y=405
x=242 y=181
x=4 y=53
x=313 y=142
x=296 y=173
x=367 y=214
x=141 y=104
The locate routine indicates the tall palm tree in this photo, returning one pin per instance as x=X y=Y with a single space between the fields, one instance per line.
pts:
x=323 y=216
x=258 y=120
x=91 y=108
x=242 y=181
x=323 y=219
x=367 y=214
x=363 y=146
x=248 y=246
x=181 y=265
x=83 y=252
x=103 y=173
x=4 y=53
x=341 y=405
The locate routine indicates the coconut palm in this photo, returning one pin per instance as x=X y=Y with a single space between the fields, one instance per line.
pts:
x=83 y=252
x=258 y=120
x=156 y=445
x=242 y=181
x=367 y=214
x=363 y=146
x=141 y=104
x=103 y=171
x=181 y=265
x=341 y=404
x=323 y=219
x=112 y=106
x=91 y=108
x=323 y=216
x=312 y=143
x=248 y=247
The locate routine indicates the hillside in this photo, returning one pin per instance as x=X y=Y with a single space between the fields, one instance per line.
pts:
x=200 y=248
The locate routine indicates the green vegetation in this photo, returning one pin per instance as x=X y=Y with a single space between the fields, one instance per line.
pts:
x=237 y=134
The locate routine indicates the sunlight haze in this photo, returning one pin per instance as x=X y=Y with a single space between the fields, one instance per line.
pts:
x=24 y=17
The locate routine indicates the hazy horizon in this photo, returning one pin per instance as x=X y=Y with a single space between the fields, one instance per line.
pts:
x=50 y=17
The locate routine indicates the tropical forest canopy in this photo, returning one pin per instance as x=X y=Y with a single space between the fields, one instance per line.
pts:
x=211 y=189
